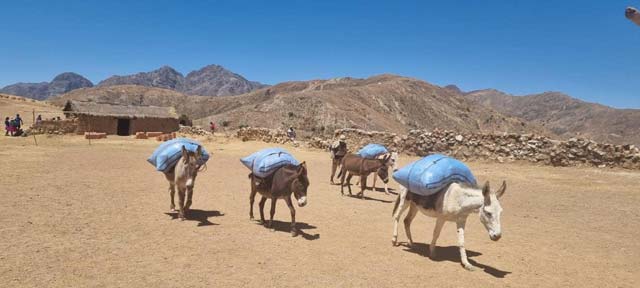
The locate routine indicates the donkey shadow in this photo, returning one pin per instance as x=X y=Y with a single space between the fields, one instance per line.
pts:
x=367 y=198
x=452 y=254
x=202 y=216
x=381 y=189
x=281 y=226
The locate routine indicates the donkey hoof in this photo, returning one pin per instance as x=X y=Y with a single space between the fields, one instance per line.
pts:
x=294 y=233
x=394 y=242
x=470 y=267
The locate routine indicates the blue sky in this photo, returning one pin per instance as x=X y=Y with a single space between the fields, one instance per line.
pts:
x=584 y=48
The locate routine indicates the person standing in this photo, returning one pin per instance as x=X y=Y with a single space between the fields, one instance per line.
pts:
x=338 y=151
x=291 y=134
x=39 y=119
x=212 y=126
x=19 y=122
x=7 y=127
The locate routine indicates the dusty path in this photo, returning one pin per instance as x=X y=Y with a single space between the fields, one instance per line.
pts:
x=75 y=215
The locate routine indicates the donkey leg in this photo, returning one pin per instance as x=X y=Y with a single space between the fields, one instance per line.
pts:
x=181 y=203
x=413 y=210
x=261 y=206
x=272 y=212
x=402 y=206
x=172 y=192
x=294 y=231
x=460 y=223
x=187 y=205
x=375 y=179
x=349 y=182
x=252 y=198
x=363 y=185
x=436 y=233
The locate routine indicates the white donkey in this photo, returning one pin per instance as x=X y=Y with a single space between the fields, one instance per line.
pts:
x=453 y=203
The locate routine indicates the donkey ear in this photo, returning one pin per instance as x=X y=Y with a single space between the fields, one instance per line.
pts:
x=199 y=152
x=502 y=189
x=486 y=190
x=302 y=168
x=185 y=155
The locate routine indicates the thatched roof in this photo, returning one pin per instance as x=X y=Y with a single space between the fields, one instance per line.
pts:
x=115 y=110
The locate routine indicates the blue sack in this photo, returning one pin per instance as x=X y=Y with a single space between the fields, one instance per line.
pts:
x=371 y=151
x=432 y=173
x=166 y=156
x=266 y=161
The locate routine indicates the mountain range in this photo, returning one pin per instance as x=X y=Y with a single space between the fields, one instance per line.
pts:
x=211 y=80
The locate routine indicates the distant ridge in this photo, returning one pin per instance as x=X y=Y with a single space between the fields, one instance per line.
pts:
x=60 y=84
x=211 y=80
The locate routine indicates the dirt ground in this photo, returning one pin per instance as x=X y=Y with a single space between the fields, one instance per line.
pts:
x=80 y=215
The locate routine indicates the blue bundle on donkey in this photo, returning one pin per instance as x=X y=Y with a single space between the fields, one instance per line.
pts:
x=165 y=157
x=428 y=175
x=372 y=151
x=266 y=161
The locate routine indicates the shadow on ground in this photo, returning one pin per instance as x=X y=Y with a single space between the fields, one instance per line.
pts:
x=367 y=198
x=451 y=253
x=281 y=226
x=202 y=216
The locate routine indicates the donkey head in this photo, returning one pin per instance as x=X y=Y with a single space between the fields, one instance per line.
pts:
x=190 y=163
x=490 y=210
x=300 y=184
x=383 y=171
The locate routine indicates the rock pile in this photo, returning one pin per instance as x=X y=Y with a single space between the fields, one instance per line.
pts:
x=193 y=131
x=262 y=134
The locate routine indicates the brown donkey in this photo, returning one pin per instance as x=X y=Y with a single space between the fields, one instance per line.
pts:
x=286 y=180
x=353 y=164
x=183 y=177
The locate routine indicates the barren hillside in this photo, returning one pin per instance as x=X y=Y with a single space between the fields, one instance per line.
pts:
x=386 y=102
x=566 y=116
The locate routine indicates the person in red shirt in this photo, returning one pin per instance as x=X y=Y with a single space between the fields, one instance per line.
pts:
x=213 y=127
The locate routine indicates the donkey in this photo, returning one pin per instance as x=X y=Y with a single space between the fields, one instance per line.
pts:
x=353 y=164
x=286 y=180
x=392 y=163
x=453 y=203
x=183 y=176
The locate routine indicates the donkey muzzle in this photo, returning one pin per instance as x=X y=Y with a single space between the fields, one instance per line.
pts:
x=302 y=201
x=495 y=237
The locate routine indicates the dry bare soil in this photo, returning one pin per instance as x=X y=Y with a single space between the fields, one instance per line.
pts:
x=80 y=215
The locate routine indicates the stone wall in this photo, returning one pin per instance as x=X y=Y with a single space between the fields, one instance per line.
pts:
x=466 y=146
x=53 y=127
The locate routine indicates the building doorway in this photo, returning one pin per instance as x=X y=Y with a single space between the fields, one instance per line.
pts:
x=123 y=127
